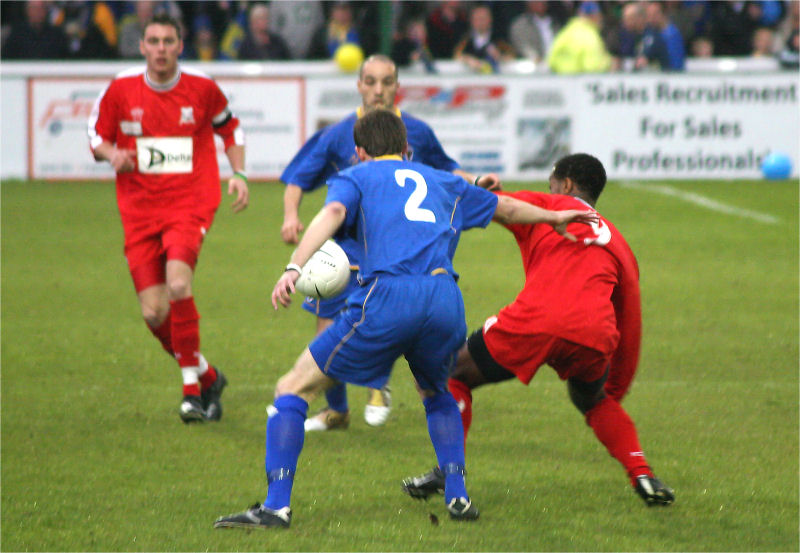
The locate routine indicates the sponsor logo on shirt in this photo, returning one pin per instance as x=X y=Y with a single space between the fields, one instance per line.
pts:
x=164 y=155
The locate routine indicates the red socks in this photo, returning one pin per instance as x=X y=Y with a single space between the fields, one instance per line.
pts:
x=463 y=397
x=208 y=377
x=164 y=334
x=615 y=429
x=186 y=338
x=179 y=335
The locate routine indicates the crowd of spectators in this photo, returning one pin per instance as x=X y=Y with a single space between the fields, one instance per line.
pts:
x=588 y=36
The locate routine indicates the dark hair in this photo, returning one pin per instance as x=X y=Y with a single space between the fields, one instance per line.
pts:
x=163 y=19
x=585 y=171
x=380 y=132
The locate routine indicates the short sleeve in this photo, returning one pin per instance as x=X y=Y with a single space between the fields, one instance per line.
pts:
x=344 y=190
x=306 y=168
x=103 y=120
x=477 y=207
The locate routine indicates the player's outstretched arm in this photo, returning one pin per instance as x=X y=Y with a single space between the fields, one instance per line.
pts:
x=238 y=182
x=321 y=228
x=490 y=181
x=513 y=211
x=292 y=226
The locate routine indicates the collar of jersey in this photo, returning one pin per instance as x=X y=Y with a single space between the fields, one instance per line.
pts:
x=161 y=87
x=360 y=111
x=390 y=156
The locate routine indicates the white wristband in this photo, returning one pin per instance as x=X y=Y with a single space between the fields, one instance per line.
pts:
x=293 y=267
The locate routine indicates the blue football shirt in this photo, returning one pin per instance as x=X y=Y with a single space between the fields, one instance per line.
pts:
x=407 y=216
x=332 y=149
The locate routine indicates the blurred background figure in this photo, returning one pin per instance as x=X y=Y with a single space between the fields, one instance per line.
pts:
x=412 y=46
x=131 y=25
x=32 y=36
x=691 y=17
x=627 y=37
x=658 y=23
x=446 y=24
x=578 y=47
x=296 y=22
x=90 y=28
x=339 y=28
x=481 y=50
x=203 y=46
x=787 y=37
x=635 y=46
x=260 y=43
x=763 y=43
x=732 y=27
x=532 y=32
x=235 y=28
x=702 y=47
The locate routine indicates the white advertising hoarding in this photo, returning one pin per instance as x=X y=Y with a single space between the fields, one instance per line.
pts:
x=679 y=126
x=270 y=111
x=650 y=126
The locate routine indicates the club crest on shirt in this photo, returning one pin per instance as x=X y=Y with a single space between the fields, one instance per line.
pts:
x=137 y=113
x=187 y=115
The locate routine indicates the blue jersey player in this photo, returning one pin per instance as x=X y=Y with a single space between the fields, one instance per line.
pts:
x=327 y=152
x=408 y=216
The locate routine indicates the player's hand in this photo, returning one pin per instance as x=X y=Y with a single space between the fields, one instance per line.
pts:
x=291 y=229
x=563 y=218
x=122 y=160
x=284 y=288
x=490 y=182
x=238 y=185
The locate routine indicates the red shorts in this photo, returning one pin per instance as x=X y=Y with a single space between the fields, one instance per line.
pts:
x=523 y=354
x=151 y=242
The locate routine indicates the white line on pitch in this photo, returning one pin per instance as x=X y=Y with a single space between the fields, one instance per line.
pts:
x=702 y=201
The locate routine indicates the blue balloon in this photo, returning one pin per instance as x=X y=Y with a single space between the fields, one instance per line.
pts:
x=776 y=166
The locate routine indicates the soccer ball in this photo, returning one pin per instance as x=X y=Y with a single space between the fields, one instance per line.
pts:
x=348 y=57
x=326 y=274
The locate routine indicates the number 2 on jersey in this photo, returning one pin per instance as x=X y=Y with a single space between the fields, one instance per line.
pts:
x=413 y=211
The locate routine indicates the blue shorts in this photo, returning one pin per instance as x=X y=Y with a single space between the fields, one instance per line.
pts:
x=328 y=309
x=419 y=317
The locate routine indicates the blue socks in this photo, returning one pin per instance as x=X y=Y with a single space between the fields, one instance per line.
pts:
x=285 y=434
x=447 y=436
x=337 y=398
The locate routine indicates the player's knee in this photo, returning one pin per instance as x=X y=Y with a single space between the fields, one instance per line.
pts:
x=583 y=397
x=179 y=288
x=153 y=315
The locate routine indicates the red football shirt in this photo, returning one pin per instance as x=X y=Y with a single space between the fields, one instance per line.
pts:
x=586 y=292
x=171 y=128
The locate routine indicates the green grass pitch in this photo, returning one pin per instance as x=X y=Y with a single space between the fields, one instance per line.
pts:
x=94 y=457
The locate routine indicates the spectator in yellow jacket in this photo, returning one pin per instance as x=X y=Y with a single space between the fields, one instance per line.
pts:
x=578 y=47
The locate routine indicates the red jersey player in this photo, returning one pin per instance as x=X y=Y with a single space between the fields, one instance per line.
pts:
x=156 y=126
x=579 y=312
